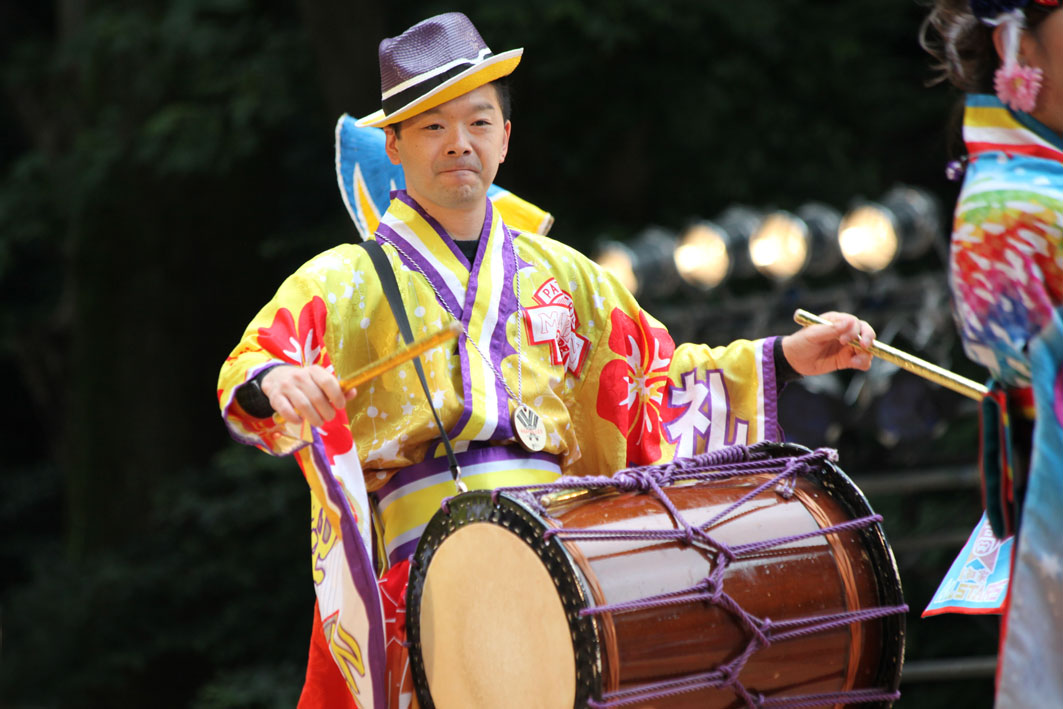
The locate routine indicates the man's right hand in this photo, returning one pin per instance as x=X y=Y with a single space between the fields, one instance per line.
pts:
x=308 y=393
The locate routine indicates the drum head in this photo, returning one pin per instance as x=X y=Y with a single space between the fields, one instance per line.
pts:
x=484 y=576
x=485 y=588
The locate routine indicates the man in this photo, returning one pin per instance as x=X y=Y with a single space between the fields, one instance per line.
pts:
x=557 y=371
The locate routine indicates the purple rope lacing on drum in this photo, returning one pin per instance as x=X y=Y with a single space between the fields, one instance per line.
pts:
x=716 y=465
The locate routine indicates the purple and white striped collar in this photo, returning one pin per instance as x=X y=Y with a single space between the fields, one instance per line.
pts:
x=481 y=295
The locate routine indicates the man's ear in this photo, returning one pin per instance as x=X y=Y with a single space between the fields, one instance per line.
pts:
x=505 y=141
x=389 y=145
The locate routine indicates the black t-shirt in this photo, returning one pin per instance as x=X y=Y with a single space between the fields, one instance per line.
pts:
x=468 y=247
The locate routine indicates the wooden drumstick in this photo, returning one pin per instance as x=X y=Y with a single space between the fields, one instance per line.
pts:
x=922 y=368
x=375 y=369
x=393 y=360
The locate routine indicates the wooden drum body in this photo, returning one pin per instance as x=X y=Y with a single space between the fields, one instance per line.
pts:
x=513 y=604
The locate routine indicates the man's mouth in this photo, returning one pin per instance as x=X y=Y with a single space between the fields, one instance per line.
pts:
x=460 y=168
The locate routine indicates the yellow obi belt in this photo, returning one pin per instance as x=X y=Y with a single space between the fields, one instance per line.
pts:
x=413 y=495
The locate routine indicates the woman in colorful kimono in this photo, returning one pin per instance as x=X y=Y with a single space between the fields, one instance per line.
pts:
x=1007 y=281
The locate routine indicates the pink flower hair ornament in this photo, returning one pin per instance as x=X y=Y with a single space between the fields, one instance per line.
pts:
x=1016 y=85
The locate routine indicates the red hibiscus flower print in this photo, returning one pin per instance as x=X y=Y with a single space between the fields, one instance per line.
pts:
x=297 y=343
x=302 y=343
x=632 y=386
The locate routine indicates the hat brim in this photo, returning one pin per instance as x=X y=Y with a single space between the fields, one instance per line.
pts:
x=473 y=78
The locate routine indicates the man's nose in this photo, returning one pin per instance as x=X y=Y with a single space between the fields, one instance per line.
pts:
x=459 y=142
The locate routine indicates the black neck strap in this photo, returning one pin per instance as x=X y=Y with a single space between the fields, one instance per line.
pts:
x=386 y=276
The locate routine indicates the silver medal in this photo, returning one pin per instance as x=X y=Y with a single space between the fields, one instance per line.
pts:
x=530 y=429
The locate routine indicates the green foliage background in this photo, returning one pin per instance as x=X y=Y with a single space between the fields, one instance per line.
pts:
x=164 y=165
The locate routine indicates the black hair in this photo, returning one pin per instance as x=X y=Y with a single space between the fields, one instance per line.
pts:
x=505 y=98
x=963 y=47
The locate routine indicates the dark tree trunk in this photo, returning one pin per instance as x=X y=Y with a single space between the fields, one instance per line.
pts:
x=345 y=36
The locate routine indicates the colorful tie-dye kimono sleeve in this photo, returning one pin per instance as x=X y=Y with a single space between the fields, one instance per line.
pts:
x=1007 y=242
x=1007 y=283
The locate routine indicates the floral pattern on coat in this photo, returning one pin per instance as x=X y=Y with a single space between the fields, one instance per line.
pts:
x=632 y=386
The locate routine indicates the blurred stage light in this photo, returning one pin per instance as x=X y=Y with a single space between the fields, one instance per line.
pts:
x=786 y=244
x=645 y=266
x=779 y=248
x=868 y=239
x=703 y=257
x=903 y=224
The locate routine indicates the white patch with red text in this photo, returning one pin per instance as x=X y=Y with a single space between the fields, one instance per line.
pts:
x=554 y=321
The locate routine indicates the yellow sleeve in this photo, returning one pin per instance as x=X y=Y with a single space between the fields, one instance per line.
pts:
x=301 y=325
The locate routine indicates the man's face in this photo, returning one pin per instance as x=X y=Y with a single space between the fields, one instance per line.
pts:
x=450 y=154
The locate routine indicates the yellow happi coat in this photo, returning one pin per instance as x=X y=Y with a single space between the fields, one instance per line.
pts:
x=609 y=383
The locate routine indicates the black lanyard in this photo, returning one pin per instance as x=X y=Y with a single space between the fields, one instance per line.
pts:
x=386 y=276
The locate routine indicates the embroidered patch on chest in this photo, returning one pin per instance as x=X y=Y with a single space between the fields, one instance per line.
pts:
x=553 y=321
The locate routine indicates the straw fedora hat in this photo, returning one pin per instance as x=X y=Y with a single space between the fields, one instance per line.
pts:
x=431 y=63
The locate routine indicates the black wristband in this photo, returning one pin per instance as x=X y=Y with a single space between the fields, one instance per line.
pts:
x=784 y=372
x=251 y=397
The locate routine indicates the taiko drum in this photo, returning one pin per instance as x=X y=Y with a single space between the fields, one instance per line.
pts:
x=497 y=611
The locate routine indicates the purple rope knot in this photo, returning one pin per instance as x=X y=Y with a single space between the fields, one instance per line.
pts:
x=549 y=534
x=634 y=479
x=713 y=588
x=729 y=673
x=445 y=505
x=762 y=631
x=688 y=535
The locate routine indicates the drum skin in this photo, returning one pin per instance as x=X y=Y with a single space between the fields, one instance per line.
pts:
x=820 y=575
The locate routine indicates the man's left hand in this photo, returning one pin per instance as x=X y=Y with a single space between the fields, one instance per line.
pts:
x=818 y=349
